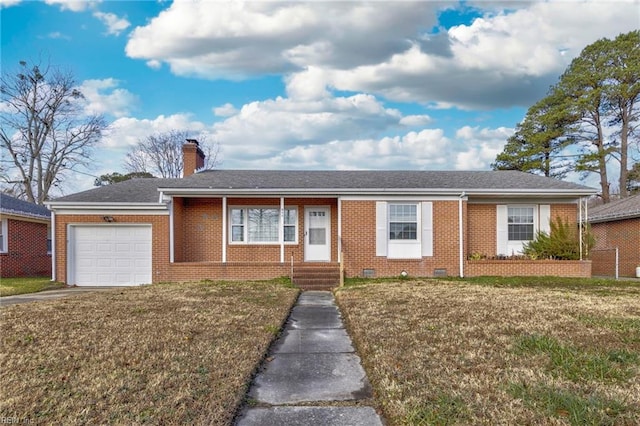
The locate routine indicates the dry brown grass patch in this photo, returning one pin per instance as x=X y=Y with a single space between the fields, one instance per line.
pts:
x=458 y=353
x=175 y=353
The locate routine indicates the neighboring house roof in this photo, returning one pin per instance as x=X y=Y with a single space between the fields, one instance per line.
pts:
x=329 y=182
x=15 y=207
x=625 y=208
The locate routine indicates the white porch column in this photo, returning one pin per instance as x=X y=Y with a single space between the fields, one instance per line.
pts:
x=339 y=228
x=281 y=230
x=171 y=242
x=224 y=229
x=53 y=246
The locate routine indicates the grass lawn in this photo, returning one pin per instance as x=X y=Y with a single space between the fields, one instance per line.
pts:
x=161 y=354
x=499 y=351
x=12 y=286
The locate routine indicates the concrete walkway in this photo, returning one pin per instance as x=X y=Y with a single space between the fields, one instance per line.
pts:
x=49 y=295
x=313 y=362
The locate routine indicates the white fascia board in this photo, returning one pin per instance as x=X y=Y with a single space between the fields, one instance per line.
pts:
x=314 y=192
x=546 y=199
x=56 y=206
x=136 y=209
x=111 y=212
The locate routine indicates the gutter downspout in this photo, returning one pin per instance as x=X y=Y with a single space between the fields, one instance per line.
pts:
x=171 y=235
x=461 y=237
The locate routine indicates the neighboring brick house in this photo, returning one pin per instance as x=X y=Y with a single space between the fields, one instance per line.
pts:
x=253 y=224
x=25 y=238
x=616 y=225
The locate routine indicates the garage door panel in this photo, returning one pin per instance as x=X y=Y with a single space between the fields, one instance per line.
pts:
x=112 y=255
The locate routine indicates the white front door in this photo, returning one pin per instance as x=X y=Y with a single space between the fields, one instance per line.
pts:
x=317 y=234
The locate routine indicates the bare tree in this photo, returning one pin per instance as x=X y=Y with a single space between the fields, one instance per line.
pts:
x=44 y=129
x=161 y=154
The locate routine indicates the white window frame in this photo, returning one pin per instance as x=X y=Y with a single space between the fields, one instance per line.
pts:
x=416 y=221
x=245 y=225
x=532 y=223
x=506 y=247
x=421 y=247
x=4 y=237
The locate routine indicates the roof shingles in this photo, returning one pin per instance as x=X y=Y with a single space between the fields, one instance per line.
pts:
x=625 y=208
x=14 y=206
x=146 y=190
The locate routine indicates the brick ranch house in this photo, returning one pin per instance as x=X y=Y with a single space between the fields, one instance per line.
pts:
x=616 y=224
x=258 y=224
x=25 y=238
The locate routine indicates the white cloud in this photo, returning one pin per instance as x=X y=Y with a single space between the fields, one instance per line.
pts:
x=58 y=35
x=154 y=64
x=481 y=146
x=127 y=131
x=8 y=3
x=226 y=110
x=266 y=128
x=507 y=57
x=213 y=39
x=115 y=25
x=104 y=97
x=73 y=5
x=415 y=120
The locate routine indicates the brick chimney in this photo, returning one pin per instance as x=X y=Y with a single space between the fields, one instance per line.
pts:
x=192 y=157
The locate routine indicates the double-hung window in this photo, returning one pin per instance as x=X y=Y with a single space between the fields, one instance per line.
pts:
x=403 y=222
x=261 y=225
x=520 y=223
x=404 y=230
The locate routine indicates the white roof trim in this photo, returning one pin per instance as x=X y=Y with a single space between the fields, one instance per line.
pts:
x=357 y=191
x=77 y=205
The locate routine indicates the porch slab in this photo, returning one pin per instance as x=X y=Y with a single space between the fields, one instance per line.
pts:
x=300 y=377
x=304 y=416
x=314 y=341
x=312 y=316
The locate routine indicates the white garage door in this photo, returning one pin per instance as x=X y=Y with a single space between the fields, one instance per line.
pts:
x=111 y=255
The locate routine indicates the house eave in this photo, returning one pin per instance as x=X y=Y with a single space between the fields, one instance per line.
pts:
x=327 y=192
x=76 y=205
x=614 y=217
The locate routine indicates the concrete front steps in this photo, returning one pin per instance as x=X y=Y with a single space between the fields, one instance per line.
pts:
x=316 y=276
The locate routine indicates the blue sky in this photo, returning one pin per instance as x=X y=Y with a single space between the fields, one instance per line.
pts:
x=311 y=85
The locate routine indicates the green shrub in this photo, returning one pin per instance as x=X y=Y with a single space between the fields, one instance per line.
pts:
x=561 y=243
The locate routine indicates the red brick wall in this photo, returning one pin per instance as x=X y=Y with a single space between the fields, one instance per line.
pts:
x=482 y=234
x=528 y=268
x=198 y=241
x=624 y=234
x=26 y=250
x=359 y=242
x=482 y=237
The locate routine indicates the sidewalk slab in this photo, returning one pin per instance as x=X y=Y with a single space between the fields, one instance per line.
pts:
x=307 y=416
x=317 y=298
x=313 y=341
x=314 y=317
x=300 y=377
